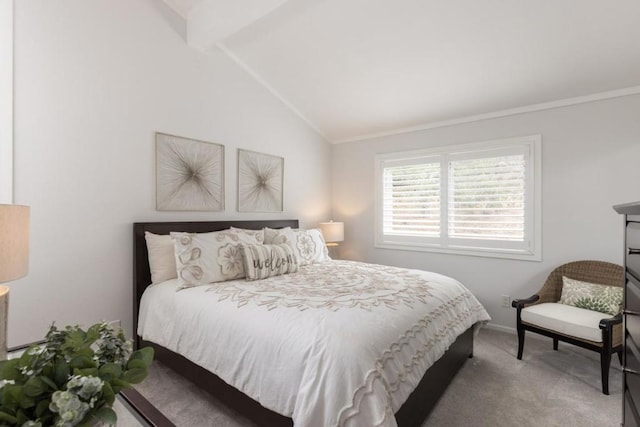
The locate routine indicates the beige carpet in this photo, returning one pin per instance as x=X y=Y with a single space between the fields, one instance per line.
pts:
x=547 y=388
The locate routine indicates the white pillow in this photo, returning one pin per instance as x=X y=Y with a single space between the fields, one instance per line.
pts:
x=162 y=261
x=271 y=233
x=203 y=258
x=262 y=261
x=258 y=234
x=308 y=245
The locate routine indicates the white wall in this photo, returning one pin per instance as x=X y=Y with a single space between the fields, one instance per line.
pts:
x=6 y=101
x=94 y=79
x=590 y=155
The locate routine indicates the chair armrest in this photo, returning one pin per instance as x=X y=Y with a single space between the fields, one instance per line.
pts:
x=611 y=321
x=520 y=303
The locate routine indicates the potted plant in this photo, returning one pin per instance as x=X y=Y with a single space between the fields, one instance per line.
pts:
x=71 y=379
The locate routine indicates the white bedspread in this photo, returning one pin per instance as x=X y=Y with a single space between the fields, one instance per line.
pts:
x=339 y=343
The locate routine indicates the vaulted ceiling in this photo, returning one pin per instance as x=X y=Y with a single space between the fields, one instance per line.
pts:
x=357 y=68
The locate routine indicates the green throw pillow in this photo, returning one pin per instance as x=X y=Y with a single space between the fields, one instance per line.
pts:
x=592 y=296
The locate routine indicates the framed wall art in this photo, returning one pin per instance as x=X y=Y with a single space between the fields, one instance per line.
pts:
x=189 y=174
x=260 y=182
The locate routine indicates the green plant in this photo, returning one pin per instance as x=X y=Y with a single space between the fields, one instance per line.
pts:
x=71 y=379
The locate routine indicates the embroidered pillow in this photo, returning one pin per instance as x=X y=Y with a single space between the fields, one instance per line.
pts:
x=162 y=261
x=262 y=261
x=203 y=258
x=592 y=296
x=257 y=234
x=272 y=233
x=308 y=245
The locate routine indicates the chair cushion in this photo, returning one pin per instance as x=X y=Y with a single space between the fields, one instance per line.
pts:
x=566 y=319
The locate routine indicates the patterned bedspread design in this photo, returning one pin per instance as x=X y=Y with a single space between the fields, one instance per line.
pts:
x=332 y=285
x=339 y=343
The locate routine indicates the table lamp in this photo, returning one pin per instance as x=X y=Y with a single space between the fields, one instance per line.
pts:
x=14 y=258
x=333 y=232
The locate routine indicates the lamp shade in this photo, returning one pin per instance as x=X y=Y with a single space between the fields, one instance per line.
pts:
x=14 y=242
x=332 y=232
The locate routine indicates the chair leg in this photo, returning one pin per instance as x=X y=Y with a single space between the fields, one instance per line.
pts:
x=520 y=341
x=620 y=357
x=555 y=344
x=605 y=361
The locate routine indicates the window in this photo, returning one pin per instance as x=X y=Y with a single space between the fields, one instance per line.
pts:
x=474 y=199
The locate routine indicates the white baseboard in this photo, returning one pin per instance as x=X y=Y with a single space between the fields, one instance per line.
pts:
x=501 y=328
x=514 y=331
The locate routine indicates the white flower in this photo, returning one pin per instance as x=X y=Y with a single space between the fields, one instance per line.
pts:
x=85 y=387
x=69 y=407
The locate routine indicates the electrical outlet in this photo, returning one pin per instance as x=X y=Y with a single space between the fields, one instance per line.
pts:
x=506 y=300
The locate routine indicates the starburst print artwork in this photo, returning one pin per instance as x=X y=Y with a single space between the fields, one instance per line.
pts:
x=260 y=178
x=190 y=174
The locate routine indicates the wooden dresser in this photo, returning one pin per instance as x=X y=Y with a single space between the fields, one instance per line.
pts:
x=631 y=360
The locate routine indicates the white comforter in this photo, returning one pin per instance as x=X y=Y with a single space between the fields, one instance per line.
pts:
x=339 y=343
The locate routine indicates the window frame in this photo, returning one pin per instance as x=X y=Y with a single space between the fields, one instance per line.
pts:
x=529 y=250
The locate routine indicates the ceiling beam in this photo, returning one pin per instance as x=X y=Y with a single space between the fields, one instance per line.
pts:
x=212 y=21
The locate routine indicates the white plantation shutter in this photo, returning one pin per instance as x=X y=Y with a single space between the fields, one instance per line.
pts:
x=486 y=198
x=474 y=199
x=412 y=200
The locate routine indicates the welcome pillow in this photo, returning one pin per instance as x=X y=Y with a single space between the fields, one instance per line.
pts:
x=262 y=261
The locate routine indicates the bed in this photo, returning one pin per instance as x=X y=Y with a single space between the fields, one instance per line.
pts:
x=270 y=381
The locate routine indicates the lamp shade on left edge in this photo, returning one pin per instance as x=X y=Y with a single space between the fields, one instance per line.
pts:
x=14 y=242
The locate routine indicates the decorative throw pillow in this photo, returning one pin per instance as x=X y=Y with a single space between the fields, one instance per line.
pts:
x=203 y=258
x=262 y=261
x=592 y=296
x=162 y=261
x=271 y=233
x=308 y=245
x=258 y=234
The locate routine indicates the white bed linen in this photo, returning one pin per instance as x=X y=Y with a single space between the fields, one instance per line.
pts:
x=339 y=343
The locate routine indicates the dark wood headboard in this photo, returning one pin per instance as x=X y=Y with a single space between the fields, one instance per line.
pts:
x=141 y=271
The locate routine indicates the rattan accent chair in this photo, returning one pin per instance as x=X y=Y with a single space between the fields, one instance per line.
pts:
x=600 y=272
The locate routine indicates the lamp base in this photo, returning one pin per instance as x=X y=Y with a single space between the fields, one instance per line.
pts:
x=4 y=314
x=332 y=248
